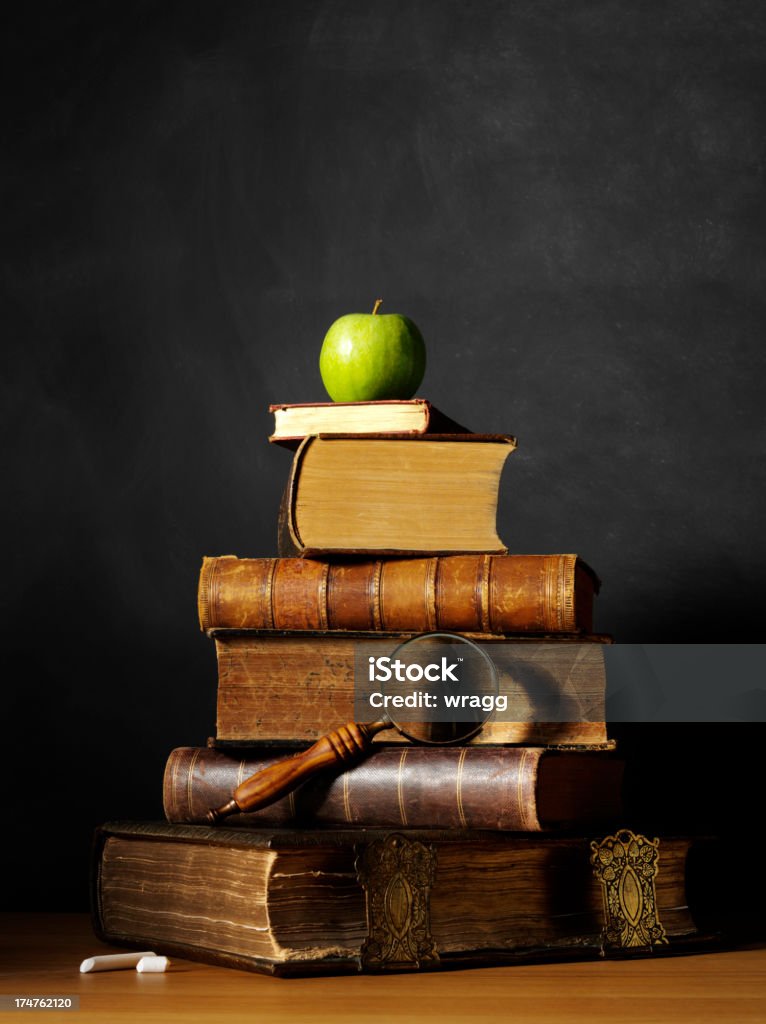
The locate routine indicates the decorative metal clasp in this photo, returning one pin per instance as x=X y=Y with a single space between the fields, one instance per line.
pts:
x=626 y=864
x=397 y=874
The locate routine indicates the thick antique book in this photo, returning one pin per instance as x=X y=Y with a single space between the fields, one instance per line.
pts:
x=292 y=423
x=299 y=902
x=459 y=593
x=294 y=688
x=520 y=789
x=394 y=495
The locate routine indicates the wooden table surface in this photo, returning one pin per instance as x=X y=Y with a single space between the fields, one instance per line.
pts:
x=40 y=955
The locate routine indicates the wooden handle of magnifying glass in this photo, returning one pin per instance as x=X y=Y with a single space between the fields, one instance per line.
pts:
x=342 y=746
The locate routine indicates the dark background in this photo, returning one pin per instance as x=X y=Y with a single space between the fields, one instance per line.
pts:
x=568 y=198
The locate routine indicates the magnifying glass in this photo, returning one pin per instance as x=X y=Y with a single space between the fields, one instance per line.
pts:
x=435 y=689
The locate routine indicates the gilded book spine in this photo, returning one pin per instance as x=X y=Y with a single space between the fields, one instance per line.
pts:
x=497 y=594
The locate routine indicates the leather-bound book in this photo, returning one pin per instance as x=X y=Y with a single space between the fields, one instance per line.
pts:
x=295 y=687
x=520 y=789
x=292 y=423
x=337 y=901
x=458 y=593
x=394 y=495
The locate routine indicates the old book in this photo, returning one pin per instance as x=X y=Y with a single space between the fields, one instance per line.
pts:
x=521 y=789
x=461 y=593
x=292 y=423
x=394 y=495
x=296 y=687
x=292 y=902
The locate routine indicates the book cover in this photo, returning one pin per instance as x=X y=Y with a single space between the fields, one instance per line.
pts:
x=520 y=789
x=294 y=422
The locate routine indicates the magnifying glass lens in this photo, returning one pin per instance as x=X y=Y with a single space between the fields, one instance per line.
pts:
x=442 y=688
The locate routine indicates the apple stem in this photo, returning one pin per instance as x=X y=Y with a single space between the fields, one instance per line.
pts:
x=378 y=303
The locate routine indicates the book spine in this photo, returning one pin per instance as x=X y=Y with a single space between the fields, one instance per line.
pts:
x=496 y=594
x=450 y=787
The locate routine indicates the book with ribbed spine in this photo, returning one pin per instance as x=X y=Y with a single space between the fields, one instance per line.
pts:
x=458 y=593
x=520 y=789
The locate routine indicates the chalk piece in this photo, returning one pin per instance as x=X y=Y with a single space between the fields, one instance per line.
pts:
x=112 y=962
x=152 y=964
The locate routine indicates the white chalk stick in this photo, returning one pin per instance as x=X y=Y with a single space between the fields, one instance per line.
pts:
x=152 y=964
x=112 y=962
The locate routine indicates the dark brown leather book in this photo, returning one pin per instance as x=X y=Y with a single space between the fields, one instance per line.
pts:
x=293 y=902
x=294 y=688
x=459 y=593
x=394 y=495
x=520 y=789
x=292 y=423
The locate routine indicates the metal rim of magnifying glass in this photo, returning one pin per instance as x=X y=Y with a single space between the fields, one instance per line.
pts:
x=495 y=686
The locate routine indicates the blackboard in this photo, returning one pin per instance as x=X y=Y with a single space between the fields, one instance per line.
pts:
x=567 y=198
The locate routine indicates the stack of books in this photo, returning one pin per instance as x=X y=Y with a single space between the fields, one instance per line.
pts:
x=408 y=857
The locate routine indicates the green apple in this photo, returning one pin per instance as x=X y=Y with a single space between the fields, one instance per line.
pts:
x=367 y=357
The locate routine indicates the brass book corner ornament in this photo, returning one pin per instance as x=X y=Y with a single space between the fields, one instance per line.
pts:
x=626 y=864
x=397 y=874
